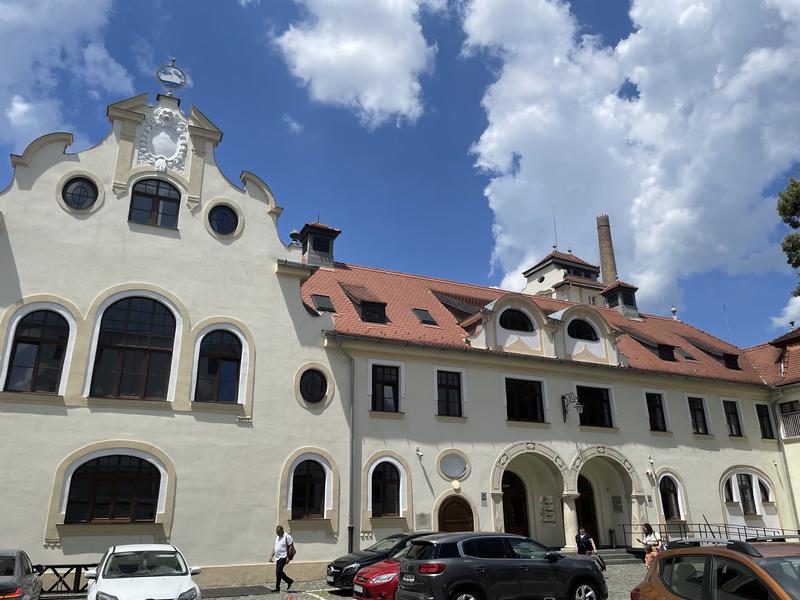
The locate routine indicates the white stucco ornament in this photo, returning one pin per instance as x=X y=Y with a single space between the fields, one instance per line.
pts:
x=164 y=140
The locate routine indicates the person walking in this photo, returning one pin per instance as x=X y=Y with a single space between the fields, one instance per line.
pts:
x=282 y=553
x=584 y=542
x=652 y=544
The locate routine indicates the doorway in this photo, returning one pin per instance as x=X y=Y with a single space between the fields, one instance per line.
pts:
x=584 y=506
x=455 y=514
x=515 y=505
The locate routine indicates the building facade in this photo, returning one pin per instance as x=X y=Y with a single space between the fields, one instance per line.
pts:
x=174 y=371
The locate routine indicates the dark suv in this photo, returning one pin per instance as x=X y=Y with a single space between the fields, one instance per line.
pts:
x=494 y=566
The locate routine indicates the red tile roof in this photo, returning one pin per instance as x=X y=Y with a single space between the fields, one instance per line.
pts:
x=562 y=256
x=403 y=292
x=580 y=281
x=619 y=284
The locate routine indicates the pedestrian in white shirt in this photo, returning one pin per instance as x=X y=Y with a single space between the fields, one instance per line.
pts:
x=282 y=553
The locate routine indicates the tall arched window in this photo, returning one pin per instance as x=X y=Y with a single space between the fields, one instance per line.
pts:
x=385 y=490
x=37 y=355
x=155 y=202
x=515 y=320
x=578 y=329
x=218 y=368
x=308 y=491
x=669 y=498
x=117 y=488
x=134 y=350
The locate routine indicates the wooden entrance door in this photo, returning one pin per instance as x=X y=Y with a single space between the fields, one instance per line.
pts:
x=515 y=505
x=584 y=506
x=455 y=514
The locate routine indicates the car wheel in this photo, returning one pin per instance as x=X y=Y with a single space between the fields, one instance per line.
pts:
x=465 y=595
x=585 y=591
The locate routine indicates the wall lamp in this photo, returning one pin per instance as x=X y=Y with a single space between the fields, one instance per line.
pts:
x=568 y=400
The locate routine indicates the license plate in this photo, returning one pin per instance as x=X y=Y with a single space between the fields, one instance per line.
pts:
x=329 y=579
x=408 y=577
x=358 y=589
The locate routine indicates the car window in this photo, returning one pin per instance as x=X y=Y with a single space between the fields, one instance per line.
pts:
x=400 y=555
x=737 y=582
x=421 y=551
x=786 y=571
x=522 y=548
x=144 y=564
x=488 y=547
x=385 y=544
x=683 y=575
x=27 y=568
x=7 y=565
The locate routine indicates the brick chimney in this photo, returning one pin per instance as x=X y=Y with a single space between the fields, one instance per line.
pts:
x=608 y=264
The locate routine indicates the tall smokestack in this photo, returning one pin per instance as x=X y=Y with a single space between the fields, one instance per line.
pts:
x=608 y=264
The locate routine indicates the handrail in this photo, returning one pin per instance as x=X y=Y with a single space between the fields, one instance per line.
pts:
x=69 y=579
x=681 y=530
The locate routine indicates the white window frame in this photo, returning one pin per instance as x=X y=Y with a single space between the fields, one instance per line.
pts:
x=244 y=360
x=775 y=433
x=328 y=493
x=401 y=401
x=611 y=398
x=706 y=412
x=545 y=397
x=176 y=346
x=739 y=413
x=678 y=489
x=403 y=492
x=463 y=374
x=755 y=477
x=664 y=407
x=21 y=313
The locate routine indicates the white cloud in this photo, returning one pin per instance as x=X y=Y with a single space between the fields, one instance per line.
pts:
x=293 y=125
x=48 y=44
x=680 y=170
x=790 y=312
x=366 y=55
x=246 y=3
x=143 y=54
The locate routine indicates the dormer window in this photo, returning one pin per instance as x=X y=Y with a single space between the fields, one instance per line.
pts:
x=322 y=303
x=578 y=329
x=731 y=361
x=613 y=300
x=424 y=316
x=373 y=312
x=666 y=352
x=629 y=299
x=515 y=320
x=369 y=306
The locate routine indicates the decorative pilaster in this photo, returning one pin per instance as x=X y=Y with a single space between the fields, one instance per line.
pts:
x=570 y=520
x=497 y=511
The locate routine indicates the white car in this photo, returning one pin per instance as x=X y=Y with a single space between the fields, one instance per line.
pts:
x=141 y=571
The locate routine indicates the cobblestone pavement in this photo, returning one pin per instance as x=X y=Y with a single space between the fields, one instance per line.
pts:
x=619 y=578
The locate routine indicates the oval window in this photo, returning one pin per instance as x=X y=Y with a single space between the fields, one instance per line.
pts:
x=79 y=193
x=453 y=465
x=313 y=386
x=515 y=320
x=581 y=330
x=223 y=219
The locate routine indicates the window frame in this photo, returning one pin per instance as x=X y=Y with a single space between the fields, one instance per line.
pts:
x=587 y=323
x=16 y=339
x=244 y=361
x=678 y=494
x=611 y=402
x=522 y=312
x=401 y=370
x=309 y=487
x=740 y=421
x=545 y=402
x=671 y=560
x=382 y=514
x=664 y=409
x=228 y=357
x=462 y=390
x=731 y=478
x=772 y=428
x=706 y=415
x=155 y=203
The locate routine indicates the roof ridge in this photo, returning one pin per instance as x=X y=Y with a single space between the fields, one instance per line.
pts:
x=719 y=339
x=429 y=278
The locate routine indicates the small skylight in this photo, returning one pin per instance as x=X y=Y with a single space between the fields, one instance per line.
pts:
x=424 y=316
x=666 y=352
x=322 y=303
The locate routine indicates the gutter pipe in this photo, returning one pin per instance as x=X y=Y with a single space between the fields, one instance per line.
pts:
x=351 y=417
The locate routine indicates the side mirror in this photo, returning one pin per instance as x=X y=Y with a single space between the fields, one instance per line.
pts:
x=90 y=573
x=195 y=570
x=552 y=556
x=38 y=569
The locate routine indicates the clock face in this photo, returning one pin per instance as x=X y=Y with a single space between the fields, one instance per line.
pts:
x=171 y=76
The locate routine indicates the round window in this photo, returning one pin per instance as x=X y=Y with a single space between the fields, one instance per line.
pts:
x=454 y=466
x=79 y=193
x=313 y=386
x=223 y=219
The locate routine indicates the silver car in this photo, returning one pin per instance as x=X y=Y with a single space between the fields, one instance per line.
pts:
x=18 y=577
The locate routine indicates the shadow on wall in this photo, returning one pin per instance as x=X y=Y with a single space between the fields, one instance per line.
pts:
x=10 y=291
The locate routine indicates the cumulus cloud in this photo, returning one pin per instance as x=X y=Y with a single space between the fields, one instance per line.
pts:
x=51 y=41
x=789 y=314
x=293 y=125
x=365 y=55
x=680 y=167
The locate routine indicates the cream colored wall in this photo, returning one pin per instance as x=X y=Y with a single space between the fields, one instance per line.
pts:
x=228 y=460
x=551 y=274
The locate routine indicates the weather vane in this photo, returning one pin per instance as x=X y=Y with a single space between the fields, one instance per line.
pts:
x=171 y=77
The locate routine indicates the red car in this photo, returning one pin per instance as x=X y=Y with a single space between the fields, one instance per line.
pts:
x=378 y=580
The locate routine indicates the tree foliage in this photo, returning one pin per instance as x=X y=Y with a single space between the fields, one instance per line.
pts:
x=789 y=210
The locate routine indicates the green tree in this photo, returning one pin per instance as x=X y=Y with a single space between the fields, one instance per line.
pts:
x=789 y=210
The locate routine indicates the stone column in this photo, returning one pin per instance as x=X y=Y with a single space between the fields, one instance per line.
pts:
x=570 y=520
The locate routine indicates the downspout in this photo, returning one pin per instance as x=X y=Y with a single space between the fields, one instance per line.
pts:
x=774 y=412
x=352 y=402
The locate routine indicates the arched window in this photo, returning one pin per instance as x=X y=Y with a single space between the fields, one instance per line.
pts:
x=515 y=320
x=134 y=350
x=37 y=355
x=155 y=202
x=763 y=488
x=740 y=487
x=385 y=490
x=308 y=491
x=218 y=368
x=116 y=488
x=669 y=498
x=578 y=329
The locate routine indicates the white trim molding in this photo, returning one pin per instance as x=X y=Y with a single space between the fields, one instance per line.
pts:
x=401 y=376
x=326 y=466
x=463 y=376
x=403 y=505
x=664 y=407
x=541 y=380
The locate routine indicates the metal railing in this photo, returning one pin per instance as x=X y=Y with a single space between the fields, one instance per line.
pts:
x=65 y=579
x=790 y=423
x=679 y=530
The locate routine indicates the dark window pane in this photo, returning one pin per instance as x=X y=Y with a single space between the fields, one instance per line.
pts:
x=385 y=490
x=155 y=202
x=373 y=312
x=735 y=581
x=424 y=316
x=698 y=412
x=20 y=377
x=132 y=373
x=37 y=354
x=669 y=498
x=158 y=375
x=322 y=303
x=313 y=386
x=218 y=367
x=524 y=400
x=684 y=576
x=596 y=405
x=765 y=422
x=321 y=243
x=308 y=490
x=79 y=193
x=223 y=219
x=655 y=410
x=581 y=330
x=515 y=320
x=228 y=380
x=745 y=482
x=385 y=388
x=732 y=418
x=449 y=393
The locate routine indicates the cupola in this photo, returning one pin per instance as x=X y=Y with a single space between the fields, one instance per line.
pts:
x=317 y=241
x=622 y=297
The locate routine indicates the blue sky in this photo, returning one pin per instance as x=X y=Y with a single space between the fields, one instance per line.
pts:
x=441 y=135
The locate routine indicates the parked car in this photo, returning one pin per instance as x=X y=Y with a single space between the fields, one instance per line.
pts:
x=19 y=578
x=342 y=571
x=379 y=580
x=494 y=566
x=142 y=571
x=714 y=569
